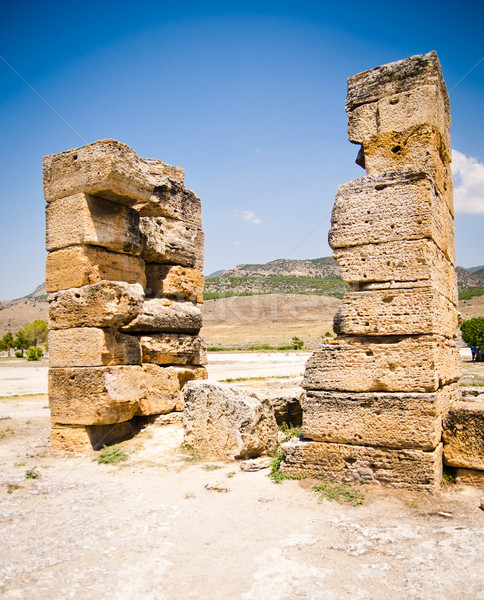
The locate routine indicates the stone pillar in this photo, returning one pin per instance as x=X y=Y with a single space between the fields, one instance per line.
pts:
x=376 y=398
x=124 y=273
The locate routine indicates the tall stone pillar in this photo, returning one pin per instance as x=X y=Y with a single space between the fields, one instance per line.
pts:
x=124 y=274
x=375 y=399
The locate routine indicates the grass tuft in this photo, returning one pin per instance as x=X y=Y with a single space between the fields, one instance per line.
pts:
x=111 y=455
x=343 y=493
x=32 y=473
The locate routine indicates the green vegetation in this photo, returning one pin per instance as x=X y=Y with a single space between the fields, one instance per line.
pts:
x=471 y=292
x=5 y=432
x=448 y=477
x=111 y=455
x=32 y=473
x=343 y=493
x=226 y=286
x=258 y=348
x=34 y=353
x=473 y=331
x=297 y=343
x=30 y=336
x=276 y=474
x=11 y=487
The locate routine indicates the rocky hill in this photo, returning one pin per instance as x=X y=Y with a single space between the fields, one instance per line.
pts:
x=315 y=267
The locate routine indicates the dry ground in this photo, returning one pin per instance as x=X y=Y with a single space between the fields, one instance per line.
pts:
x=150 y=529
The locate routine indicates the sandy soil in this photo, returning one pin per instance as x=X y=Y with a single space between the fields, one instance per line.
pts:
x=150 y=529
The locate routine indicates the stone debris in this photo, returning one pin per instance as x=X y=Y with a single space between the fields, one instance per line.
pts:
x=256 y=464
x=226 y=422
x=216 y=486
x=463 y=434
x=115 y=225
x=377 y=397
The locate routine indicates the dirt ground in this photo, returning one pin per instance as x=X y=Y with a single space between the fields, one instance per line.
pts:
x=149 y=528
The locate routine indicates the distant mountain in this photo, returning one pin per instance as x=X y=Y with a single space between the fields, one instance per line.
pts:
x=312 y=267
x=215 y=274
x=475 y=269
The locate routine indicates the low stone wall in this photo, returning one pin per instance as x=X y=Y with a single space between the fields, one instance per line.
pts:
x=124 y=273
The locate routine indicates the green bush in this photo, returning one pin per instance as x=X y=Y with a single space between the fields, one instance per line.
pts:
x=19 y=354
x=473 y=331
x=34 y=353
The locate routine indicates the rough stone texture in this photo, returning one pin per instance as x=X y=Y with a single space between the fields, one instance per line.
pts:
x=463 y=435
x=92 y=347
x=174 y=349
x=84 y=438
x=224 y=422
x=164 y=387
x=286 y=404
x=106 y=168
x=399 y=468
x=84 y=265
x=394 y=420
x=84 y=219
x=165 y=315
x=400 y=364
x=409 y=263
x=95 y=395
x=174 y=281
x=103 y=304
x=389 y=208
x=396 y=312
x=470 y=477
x=160 y=169
x=167 y=240
x=171 y=199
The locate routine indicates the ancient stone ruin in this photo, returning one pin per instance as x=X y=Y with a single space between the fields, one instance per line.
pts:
x=124 y=274
x=376 y=399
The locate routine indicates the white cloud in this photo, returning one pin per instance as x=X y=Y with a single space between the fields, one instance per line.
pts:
x=468 y=183
x=247 y=215
x=236 y=243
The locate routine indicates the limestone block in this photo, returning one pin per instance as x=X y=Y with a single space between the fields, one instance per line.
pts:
x=286 y=404
x=164 y=387
x=393 y=364
x=167 y=240
x=95 y=395
x=393 y=207
x=395 y=78
x=85 y=438
x=162 y=314
x=470 y=477
x=172 y=348
x=409 y=263
x=224 y=422
x=84 y=265
x=85 y=219
x=92 y=347
x=415 y=311
x=174 y=281
x=103 y=304
x=419 y=150
x=424 y=105
x=394 y=420
x=160 y=169
x=171 y=199
x=463 y=435
x=106 y=168
x=400 y=468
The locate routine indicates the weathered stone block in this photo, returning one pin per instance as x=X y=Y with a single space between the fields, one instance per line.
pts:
x=85 y=219
x=85 y=438
x=92 y=347
x=388 y=208
x=164 y=315
x=160 y=169
x=103 y=304
x=470 y=477
x=164 y=387
x=95 y=395
x=463 y=435
x=84 y=265
x=171 y=199
x=395 y=78
x=393 y=364
x=396 y=312
x=172 y=348
x=167 y=240
x=224 y=422
x=286 y=404
x=393 y=420
x=174 y=281
x=403 y=468
x=106 y=168
x=408 y=263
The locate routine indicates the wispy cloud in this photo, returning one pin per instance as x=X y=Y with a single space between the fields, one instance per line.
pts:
x=247 y=215
x=468 y=183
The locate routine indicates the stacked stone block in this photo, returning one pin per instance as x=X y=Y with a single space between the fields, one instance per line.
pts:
x=124 y=273
x=376 y=399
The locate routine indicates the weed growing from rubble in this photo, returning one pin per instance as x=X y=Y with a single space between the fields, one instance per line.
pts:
x=111 y=455
x=276 y=474
x=191 y=454
x=32 y=473
x=11 y=487
x=344 y=493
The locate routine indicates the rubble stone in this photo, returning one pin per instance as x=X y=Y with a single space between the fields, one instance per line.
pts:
x=84 y=219
x=224 y=422
x=173 y=348
x=463 y=435
x=84 y=438
x=84 y=265
x=174 y=281
x=165 y=315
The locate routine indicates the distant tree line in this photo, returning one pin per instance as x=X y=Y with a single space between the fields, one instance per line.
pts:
x=31 y=338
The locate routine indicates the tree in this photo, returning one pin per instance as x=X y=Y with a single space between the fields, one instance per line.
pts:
x=7 y=341
x=297 y=343
x=473 y=331
x=36 y=331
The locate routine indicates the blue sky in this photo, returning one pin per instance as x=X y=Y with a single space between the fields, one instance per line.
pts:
x=248 y=97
